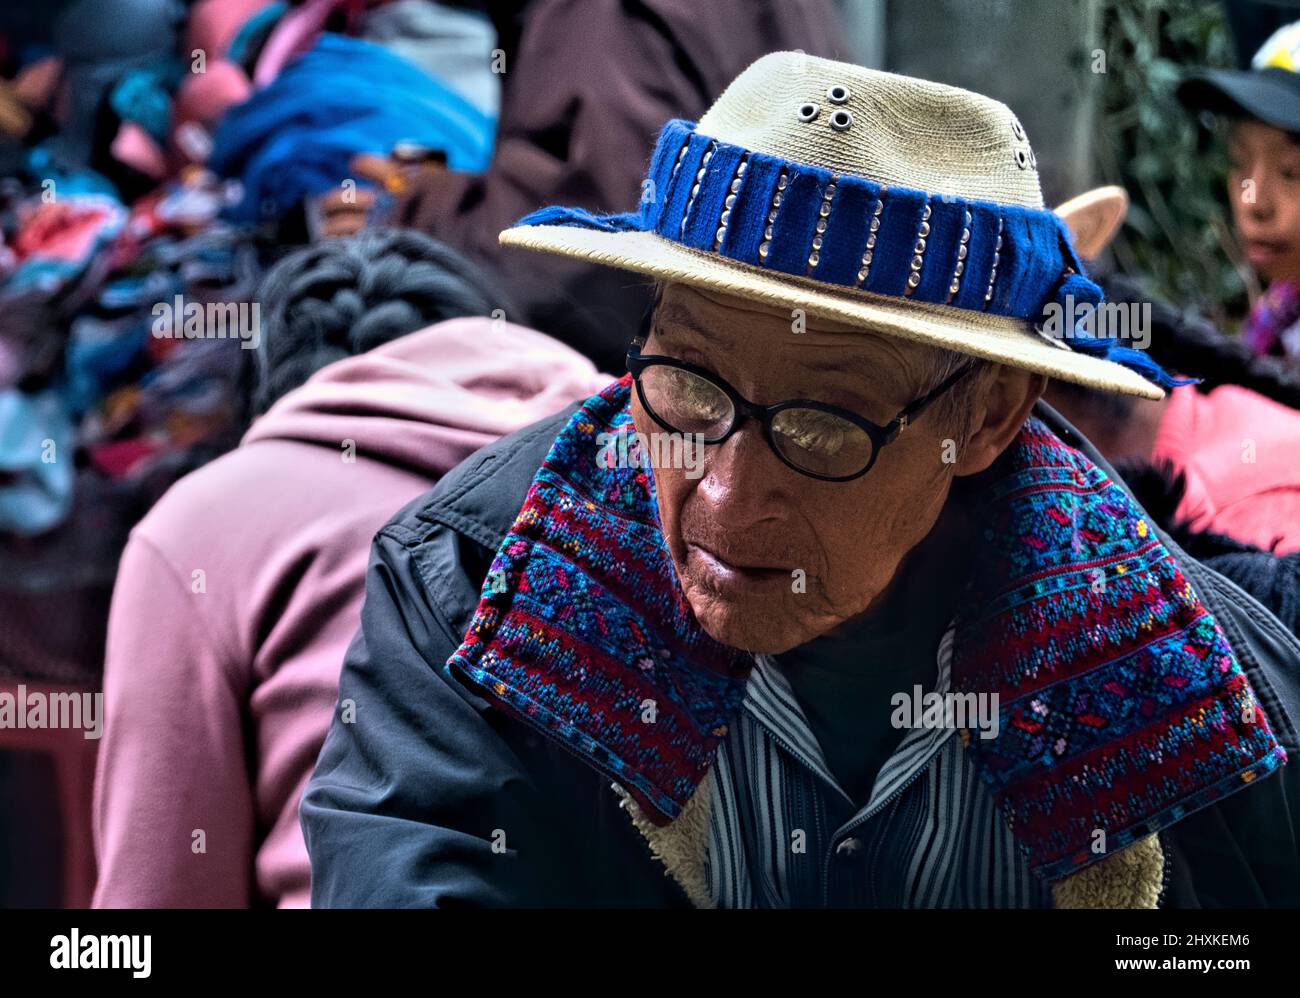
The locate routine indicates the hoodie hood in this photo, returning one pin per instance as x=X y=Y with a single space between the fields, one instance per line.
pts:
x=429 y=399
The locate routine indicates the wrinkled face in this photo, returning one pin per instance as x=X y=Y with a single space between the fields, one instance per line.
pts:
x=1264 y=191
x=769 y=558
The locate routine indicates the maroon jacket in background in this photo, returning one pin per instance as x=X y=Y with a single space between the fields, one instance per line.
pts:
x=585 y=93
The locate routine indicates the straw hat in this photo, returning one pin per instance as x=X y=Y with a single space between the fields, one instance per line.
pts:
x=898 y=205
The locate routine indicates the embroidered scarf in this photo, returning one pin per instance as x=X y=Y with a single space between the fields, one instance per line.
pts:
x=1272 y=329
x=1122 y=707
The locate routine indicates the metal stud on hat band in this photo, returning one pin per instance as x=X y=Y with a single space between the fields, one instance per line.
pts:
x=873 y=227
x=823 y=213
x=729 y=203
x=918 y=250
x=962 y=252
x=766 y=245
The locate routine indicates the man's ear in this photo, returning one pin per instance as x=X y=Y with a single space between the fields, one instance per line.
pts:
x=1008 y=395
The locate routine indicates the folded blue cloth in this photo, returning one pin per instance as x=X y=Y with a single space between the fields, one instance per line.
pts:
x=295 y=138
x=36 y=461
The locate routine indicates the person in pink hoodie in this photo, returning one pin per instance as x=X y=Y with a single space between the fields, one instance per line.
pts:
x=1233 y=439
x=1236 y=450
x=239 y=592
x=1240 y=455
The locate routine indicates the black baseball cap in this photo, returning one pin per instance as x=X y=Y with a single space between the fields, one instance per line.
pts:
x=1268 y=91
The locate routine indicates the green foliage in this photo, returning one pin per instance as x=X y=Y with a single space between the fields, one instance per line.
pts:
x=1178 y=232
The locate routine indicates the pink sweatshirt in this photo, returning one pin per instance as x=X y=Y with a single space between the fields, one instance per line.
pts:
x=240 y=591
x=1241 y=454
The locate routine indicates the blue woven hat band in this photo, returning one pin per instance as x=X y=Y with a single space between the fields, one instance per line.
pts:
x=852 y=233
x=847 y=231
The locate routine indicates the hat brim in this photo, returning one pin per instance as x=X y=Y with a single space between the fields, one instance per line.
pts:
x=1272 y=96
x=991 y=337
x=1094 y=217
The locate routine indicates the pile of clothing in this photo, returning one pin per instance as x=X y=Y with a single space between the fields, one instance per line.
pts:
x=98 y=415
x=156 y=152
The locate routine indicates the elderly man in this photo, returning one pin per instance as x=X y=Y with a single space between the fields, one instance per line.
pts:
x=897 y=639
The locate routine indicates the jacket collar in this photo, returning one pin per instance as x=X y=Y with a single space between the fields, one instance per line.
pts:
x=1122 y=707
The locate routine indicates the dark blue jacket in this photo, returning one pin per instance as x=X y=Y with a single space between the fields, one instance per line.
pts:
x=424 y=795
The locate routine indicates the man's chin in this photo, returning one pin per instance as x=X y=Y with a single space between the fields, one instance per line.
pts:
x=759 y=628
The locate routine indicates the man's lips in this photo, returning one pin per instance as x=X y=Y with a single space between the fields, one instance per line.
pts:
x=742 y=570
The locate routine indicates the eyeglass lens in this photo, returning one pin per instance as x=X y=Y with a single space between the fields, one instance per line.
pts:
x=812 y=440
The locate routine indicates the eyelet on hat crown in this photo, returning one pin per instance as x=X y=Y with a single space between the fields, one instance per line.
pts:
x=842 y=120
x=808 y=111
x=837 y=93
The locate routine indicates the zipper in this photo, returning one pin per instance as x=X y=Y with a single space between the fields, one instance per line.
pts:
x=922 y=768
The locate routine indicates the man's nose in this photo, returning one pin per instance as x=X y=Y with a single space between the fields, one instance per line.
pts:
x=742 y=480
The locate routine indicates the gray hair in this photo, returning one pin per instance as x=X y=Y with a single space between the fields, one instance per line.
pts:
x=952 y=410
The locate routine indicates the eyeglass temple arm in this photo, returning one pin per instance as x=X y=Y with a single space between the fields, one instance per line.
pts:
x=916 y=408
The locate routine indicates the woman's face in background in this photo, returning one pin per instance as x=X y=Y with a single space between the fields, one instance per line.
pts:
x=1264 y=191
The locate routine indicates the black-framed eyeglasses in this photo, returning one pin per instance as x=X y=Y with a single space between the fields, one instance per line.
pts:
x=821 y=441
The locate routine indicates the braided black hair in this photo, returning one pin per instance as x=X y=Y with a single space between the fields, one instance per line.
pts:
x=341 y=297
x=1194 y=346
x=1273 y=579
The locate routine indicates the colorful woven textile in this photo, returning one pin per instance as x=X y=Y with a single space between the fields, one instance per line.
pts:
x=1273 y=327
x=1122 y=707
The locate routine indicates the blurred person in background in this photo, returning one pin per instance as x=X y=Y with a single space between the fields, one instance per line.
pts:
x=586 y=85
x=154 y=148
x=377 y=371
x=1262 y=105
x=1217 y=464
x=1234 y=437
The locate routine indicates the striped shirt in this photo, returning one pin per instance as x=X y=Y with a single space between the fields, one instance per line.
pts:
x=783 y=833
